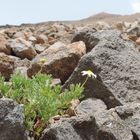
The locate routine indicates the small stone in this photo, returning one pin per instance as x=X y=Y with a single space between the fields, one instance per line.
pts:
x=55 y=82
x=39 y=48
x=57 y=117
x=71 y=111
x=60 y=61
x=41 y=39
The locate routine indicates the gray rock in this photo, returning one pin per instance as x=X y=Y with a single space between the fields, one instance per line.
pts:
x=61 y=131
x=95 y=124
x=134 y=124
x=11 y=120
x=130 y=113
x=90 y=106
x=75 y=128
x=111 y=127
x=116 y=63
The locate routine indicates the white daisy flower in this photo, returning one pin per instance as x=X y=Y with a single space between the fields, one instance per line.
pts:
x=89 y=73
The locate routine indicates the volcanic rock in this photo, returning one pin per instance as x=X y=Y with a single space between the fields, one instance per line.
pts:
x=116 y=64
x=7 y=66
x=60 y=60
x=11 y=120
x=22 y=48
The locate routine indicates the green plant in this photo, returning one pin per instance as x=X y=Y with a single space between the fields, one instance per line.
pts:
x=41 y=100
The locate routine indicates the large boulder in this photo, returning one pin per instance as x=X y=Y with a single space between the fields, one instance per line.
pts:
x=7 y=65
x=22 y=48
x=92 y=122
x=59 y=60
x=116 y=63
x=11 y=120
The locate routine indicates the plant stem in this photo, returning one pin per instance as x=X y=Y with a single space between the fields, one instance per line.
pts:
x=85 y=82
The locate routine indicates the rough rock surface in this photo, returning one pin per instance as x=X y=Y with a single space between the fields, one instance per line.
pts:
x=110 y=54
x=22 y=48
x=130 y=113
x=11 y=120
x=84 y=35
x=116 y=63
x=7 y=65
x=90 y=106
x=92 y=123
x=60 y=60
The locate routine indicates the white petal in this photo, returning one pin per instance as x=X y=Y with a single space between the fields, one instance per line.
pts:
x=84 y=72
x=94 y=75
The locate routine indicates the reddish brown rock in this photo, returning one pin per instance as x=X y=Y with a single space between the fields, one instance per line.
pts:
x=133 y=37
x=51 y=40
x=3 y=45
x=6 y=66
x=22 y=48
x=59 y=60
